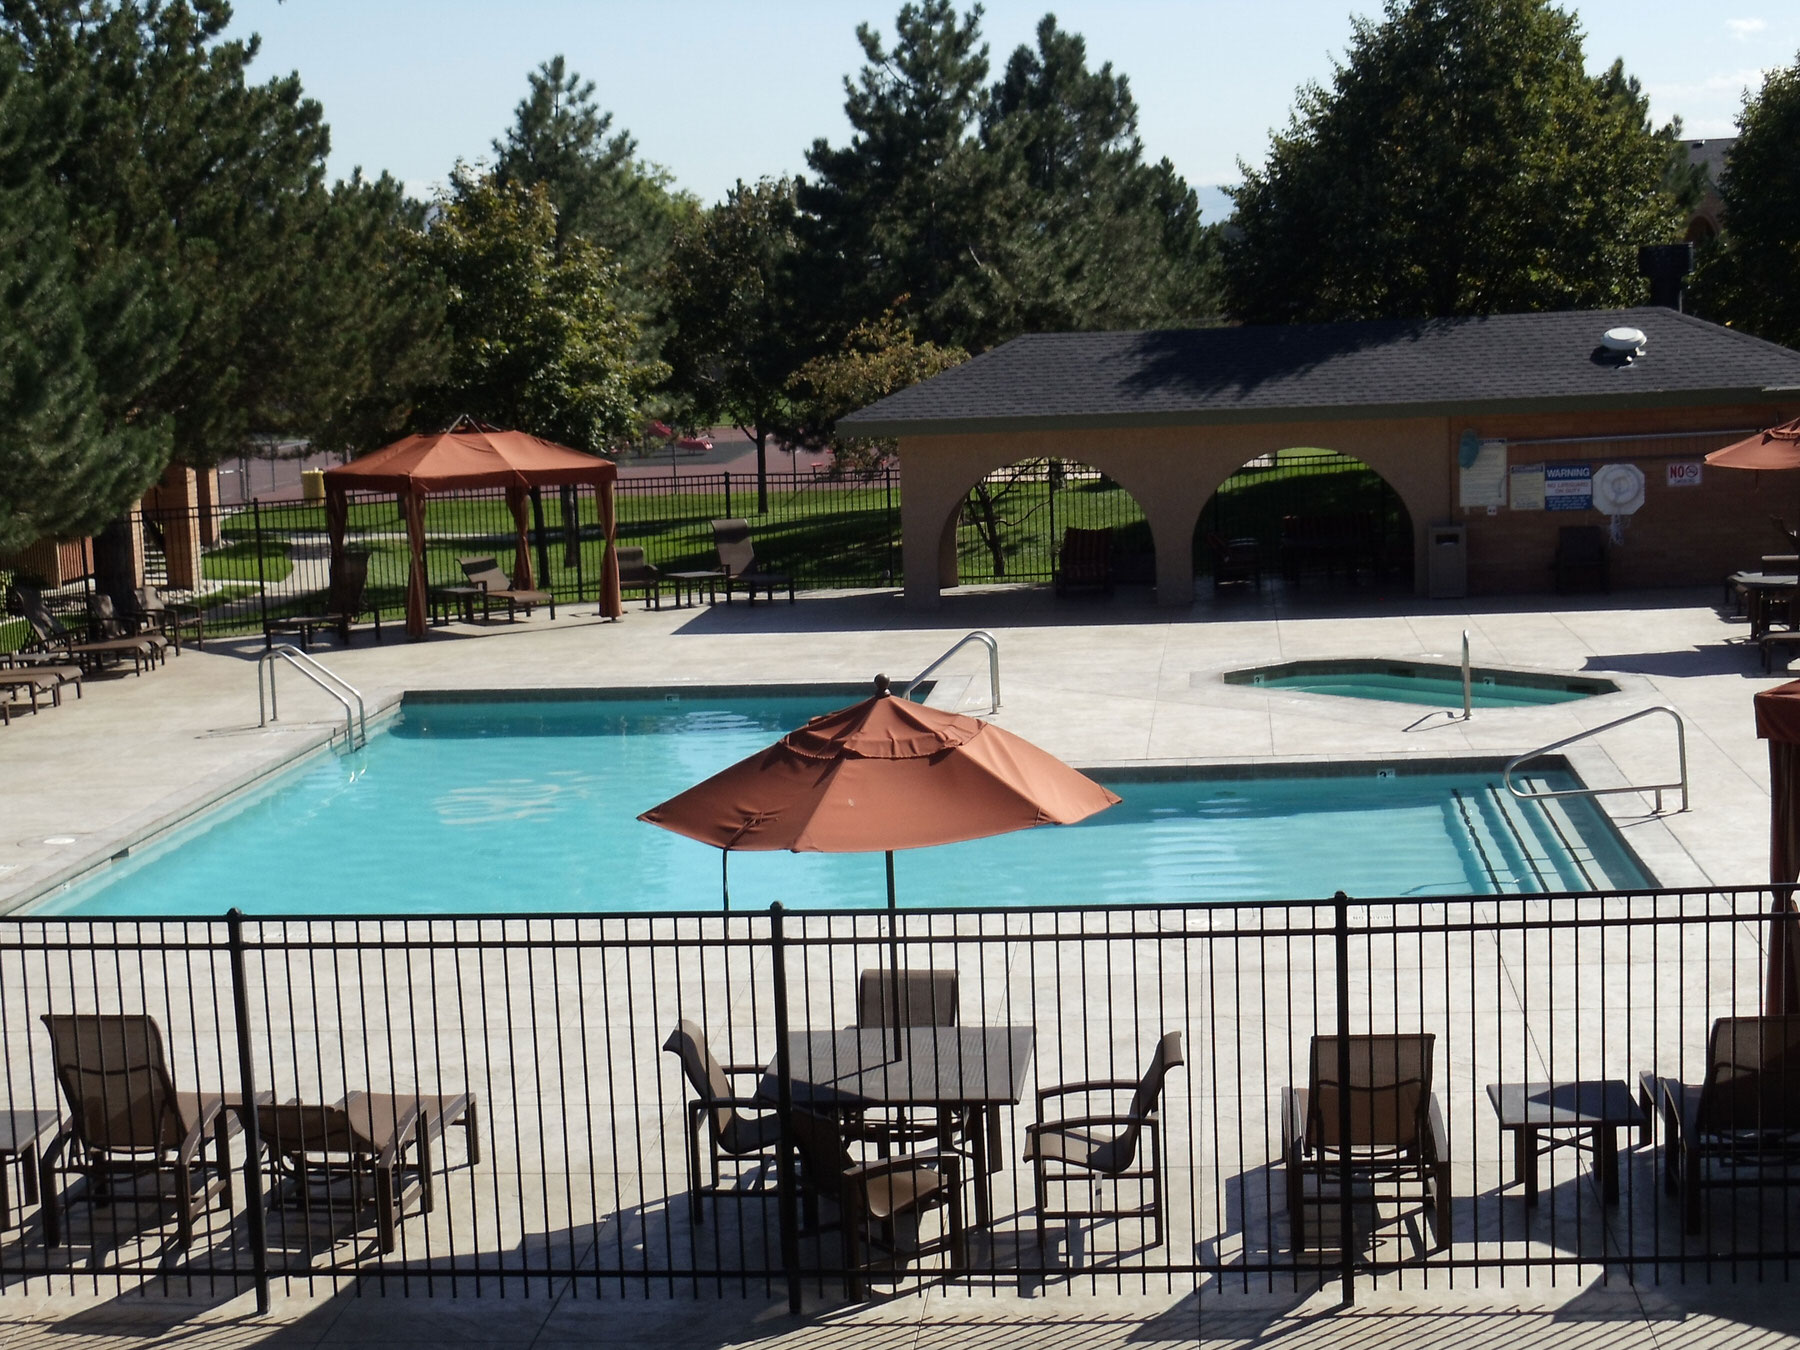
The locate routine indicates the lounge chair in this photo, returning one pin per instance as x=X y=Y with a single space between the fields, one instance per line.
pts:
x=1235 y=561
x=496 y=585
x=637 y=575
x=151 y=608
x=34 y=681
x=737 y=560
x=316 y=1147
x=104 y=622
x=1741 y=1125
x=1396 y=1129
x=870 y=1197
x=1580 y=560
x=344 y=605
x=53 y=643
x=1080 y=1149
x=126 y=1121
x=717 y=1110
x=1084 y=561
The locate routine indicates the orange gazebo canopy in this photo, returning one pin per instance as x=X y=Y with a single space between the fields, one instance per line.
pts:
x=469 y=455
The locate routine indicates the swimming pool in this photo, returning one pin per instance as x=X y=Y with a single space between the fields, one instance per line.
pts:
x=529 y=805
x=1423 y=683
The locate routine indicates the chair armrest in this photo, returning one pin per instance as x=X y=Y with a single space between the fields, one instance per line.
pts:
x=1090 y=1085
x=1084 y=1122
x=736 y=1103
x=1293 y=1121
x=1440 y=1137
x=758 y=1069
x=195 y=1138
x=1681 y=1111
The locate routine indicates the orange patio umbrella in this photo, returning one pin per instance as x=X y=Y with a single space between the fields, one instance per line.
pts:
x=1776 y=448
x=472 y=455
x=882 y=775
x=1778 y=722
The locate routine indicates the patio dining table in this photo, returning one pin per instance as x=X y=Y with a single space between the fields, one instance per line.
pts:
x=947 y=1069
x=1762 y=592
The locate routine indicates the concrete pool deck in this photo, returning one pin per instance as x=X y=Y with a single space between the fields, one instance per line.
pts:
x=1094 y=682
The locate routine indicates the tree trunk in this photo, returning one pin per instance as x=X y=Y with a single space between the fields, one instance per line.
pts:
x=115 y=574
x=987 y=524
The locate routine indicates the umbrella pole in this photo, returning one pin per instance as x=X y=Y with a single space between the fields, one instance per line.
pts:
x=725 y=878
x=894 y=952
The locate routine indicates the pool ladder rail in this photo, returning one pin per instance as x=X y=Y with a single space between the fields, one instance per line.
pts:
x=980 y=636
x=1506 y=774
x=356 y=719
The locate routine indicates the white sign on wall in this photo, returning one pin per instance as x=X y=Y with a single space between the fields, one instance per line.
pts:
x=1685 y=473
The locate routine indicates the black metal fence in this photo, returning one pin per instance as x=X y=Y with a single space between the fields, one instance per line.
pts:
x=578 y=1168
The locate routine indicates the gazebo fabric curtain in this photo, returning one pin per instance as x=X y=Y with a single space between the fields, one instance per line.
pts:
x=1778 y=722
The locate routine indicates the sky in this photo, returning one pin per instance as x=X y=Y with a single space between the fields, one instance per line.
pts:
x=718 y=90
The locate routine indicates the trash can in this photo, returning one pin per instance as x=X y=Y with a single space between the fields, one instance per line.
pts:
x=312 y=485
x=1447 y=562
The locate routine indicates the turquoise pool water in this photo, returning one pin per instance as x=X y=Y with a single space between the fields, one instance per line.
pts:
x=1426 y=685
x=530 y=807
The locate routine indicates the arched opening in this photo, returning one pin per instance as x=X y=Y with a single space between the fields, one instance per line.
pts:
x=1015 y=525
x=1306 y=517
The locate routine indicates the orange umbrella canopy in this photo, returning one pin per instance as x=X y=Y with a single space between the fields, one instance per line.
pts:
x=1776 y=448
x=883 y=774
x=469 y=455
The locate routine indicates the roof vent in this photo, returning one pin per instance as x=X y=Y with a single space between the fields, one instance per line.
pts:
x=1627 y=342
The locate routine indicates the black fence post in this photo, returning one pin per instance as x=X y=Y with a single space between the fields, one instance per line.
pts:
x=253 y=1196
x=887 y=480
x=1346 y=1174
x=262 y=585
x=727 y=477
x=543 y=546
x=784 y=1102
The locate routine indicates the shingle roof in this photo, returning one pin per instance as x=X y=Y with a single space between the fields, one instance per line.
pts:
x=1383 y=368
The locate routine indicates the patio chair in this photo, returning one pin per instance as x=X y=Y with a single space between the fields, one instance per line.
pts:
x=151 y=608
x=33 y=681
x=737 y=560
x=316 y=1149
x=872 y=1199
x=717 y=1110
x=1084 y=561
x=1235 y=561
x=922 y=998
x=1741 y=1125
x=53 y=643
x=1076 y=1150
x=127 y=1121
x=344 y=605
x=1580 y=560
x=496 y=585
x=637 y=575
x=104 y=622
x=1396 y=1129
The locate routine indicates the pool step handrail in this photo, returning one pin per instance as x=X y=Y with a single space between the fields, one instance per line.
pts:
x=985 y=639
x=1658 y=788
x=356 y=719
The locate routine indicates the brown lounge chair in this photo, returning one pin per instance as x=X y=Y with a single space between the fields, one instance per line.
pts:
x=1396 y=1129
x=737 y=560
x=871 y=1197
x=344 y=605
x=127 y=1121
x=1085 y=561
x=33 y=681
x=152 y=609
x=1077 y=1150
x=716 y=1109
x=104 y=622
x=55 y=643
x=1741 y=1125
x=364 y=1140
x=496 y=585
x=637 y=575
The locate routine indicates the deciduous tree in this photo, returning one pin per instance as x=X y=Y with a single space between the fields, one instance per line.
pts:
x=1462 y=162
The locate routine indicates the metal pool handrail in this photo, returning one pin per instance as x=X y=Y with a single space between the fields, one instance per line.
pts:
x=1658 y=788
x=986 y=639
x=1468 y=695
x=356 y=722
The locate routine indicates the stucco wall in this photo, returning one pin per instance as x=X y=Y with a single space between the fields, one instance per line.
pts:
x=1682 y=536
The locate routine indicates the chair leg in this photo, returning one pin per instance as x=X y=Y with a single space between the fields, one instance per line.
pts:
x=471 y=1122
x=386 y=1194
x=1296 y=1203
x=694 y=1206
x=1040 y=1185
x=184 y=1228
